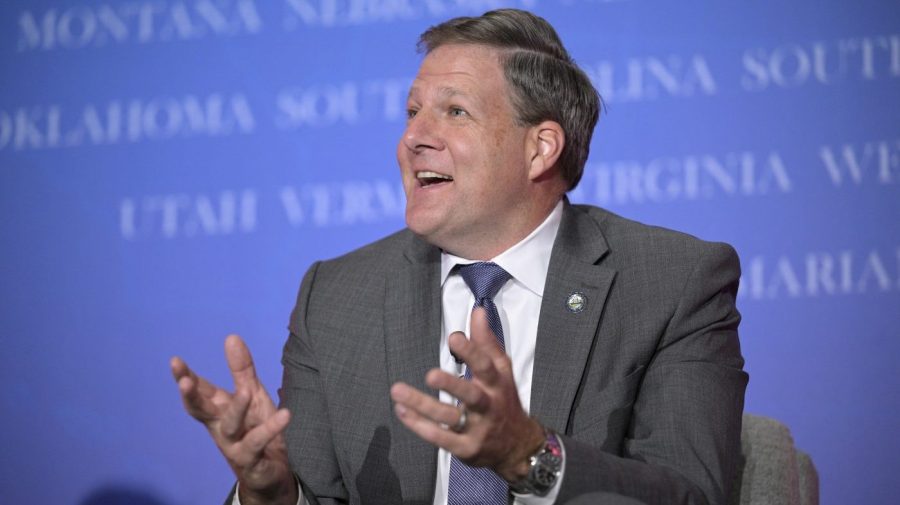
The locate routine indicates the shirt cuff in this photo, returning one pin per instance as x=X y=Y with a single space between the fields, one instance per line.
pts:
x=301 y=500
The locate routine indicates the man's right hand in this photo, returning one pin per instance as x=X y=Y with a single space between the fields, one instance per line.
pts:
x=245 y=426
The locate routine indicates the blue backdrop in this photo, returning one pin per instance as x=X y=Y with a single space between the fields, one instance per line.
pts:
x=170 y=168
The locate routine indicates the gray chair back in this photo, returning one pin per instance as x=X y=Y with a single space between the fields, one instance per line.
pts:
x=772 y=470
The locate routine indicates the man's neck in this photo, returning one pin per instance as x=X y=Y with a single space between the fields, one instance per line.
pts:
x=489 y=247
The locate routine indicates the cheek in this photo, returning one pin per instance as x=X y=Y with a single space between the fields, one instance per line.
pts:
x=500 y=139
x=508 y=165
x=508 y=147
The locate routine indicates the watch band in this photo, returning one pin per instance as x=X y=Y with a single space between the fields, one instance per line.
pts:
x=546 y=465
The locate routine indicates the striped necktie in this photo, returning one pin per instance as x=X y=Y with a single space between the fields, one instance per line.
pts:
x=477 y=485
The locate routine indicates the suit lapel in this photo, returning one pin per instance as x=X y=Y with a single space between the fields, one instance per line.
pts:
x=412 y=325
x=565 y=337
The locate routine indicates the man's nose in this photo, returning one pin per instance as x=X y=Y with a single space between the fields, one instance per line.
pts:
x=422 y=132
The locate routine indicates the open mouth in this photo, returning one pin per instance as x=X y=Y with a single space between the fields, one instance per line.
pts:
x=427 y=178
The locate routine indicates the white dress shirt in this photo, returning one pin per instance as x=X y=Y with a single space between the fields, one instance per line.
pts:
x=519 y=305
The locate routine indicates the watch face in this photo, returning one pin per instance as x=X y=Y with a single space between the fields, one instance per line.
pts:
x=544 y=477
x=546 y=469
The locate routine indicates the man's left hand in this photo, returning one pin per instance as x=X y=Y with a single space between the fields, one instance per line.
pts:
x=497 y=432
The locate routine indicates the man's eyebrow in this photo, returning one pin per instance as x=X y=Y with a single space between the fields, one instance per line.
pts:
x=447 y=91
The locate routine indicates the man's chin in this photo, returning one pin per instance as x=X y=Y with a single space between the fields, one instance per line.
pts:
x=422 y=227
x=427 y=227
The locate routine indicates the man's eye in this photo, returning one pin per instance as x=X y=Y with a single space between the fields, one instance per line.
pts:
x=411 y=113
x=456 y=111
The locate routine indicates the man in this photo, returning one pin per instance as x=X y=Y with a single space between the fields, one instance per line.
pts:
x=602 y=359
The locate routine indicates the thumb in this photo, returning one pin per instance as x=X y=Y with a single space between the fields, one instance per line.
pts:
x=482 y=335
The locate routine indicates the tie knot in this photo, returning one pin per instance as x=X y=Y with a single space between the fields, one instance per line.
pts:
x=484 y=279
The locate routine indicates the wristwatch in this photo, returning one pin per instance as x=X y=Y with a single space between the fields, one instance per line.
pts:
x=546 y=465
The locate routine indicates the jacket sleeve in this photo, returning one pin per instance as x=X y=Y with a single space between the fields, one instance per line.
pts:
x=309 y=432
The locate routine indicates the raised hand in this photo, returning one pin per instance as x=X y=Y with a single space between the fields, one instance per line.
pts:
x=245 y=426
x=497 y=432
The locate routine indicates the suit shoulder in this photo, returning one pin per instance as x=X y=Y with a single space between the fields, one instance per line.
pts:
x=629 y=238
x=353 y=279
x=391 y=245
x=370 y=261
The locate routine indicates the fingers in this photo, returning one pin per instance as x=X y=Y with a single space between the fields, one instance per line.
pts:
x=479 y=362
x=181 y=369
x=471 y=395
x=245 y=426
x=482 y=354
x=425 y=415
x=427 y=429
x=259 y=437
x=496 y=421
x=197 y=400
x=232 y=424
x=240 y=362
x=481 y=328
x=234 y=414
x=485 y=340
x=429 y=406
x=250 y=449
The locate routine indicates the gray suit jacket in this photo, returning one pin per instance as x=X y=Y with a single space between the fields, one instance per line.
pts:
x=645 y=384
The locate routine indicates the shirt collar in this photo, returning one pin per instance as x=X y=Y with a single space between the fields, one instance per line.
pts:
x=527 y=261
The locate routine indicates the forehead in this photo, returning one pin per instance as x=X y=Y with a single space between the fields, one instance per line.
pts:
x=460 y=69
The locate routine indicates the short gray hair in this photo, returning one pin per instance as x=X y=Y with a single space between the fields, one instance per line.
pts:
x=545 y=81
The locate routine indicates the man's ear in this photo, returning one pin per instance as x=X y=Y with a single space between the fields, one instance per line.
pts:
x=546 y=141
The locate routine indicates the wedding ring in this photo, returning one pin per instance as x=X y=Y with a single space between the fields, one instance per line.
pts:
x=463 y=417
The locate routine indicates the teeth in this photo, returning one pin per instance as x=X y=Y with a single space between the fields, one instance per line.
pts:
x=432 y=175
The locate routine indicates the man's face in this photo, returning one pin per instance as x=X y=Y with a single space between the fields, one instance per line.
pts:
x=462 y=156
